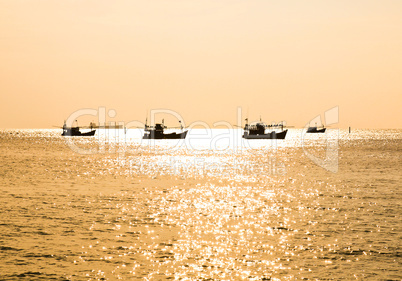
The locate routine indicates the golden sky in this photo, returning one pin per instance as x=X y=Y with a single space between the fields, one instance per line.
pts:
x=282 y=60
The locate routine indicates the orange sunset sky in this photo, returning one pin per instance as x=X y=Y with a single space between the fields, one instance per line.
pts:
x=284 y=60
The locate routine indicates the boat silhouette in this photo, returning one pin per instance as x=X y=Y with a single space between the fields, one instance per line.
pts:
x=157 y=132
x=316 y=129
x=260 y=130
x=75 y=131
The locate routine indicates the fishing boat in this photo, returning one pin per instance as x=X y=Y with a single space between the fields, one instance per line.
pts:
x=260 y=130
x=75 y=131
x=316 y=129
x=157 y=132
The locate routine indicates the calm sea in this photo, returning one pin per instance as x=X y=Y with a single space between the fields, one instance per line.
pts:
x=212 y=207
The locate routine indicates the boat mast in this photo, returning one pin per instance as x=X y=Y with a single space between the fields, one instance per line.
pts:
x=146 y=122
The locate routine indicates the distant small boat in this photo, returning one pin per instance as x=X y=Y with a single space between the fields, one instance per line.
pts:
x=157 y=132
x=75 y=131
x=264 y=131
x=315 y=129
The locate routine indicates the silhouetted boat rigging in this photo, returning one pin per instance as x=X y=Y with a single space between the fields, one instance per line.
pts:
x=116 y=126
x=75 y=131
x=316 y=129
x=157 y=132
x=260 y=130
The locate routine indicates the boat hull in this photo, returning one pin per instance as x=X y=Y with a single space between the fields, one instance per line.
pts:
x=68 y=133
x=315 y=130
x=162 y=136
x=271 y=135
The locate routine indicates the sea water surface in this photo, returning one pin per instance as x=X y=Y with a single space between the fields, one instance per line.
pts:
x=211 y=207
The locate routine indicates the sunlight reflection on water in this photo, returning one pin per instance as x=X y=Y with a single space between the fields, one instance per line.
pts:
x=147 y=209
